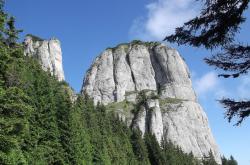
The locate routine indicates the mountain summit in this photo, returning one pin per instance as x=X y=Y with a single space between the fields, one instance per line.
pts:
x=148 y=85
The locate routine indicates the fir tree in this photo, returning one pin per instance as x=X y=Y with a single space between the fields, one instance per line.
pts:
x=139 y=147
x=11 y=32
x=230 y=161
x=154 y=150
x=209 y=159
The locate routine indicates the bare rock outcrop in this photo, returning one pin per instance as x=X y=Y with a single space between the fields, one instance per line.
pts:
x=119 y=77
x=47 y=52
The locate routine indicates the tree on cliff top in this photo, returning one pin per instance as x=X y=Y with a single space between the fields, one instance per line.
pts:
x=8 y=32
x=216 y=27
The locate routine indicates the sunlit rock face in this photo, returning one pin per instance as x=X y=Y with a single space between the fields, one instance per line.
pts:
x=47 y=52
x=120 y=76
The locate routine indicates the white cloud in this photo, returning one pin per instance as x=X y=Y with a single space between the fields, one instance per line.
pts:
x=206 y=83
x=162 y=18
x=210 y=85
x=243 y=89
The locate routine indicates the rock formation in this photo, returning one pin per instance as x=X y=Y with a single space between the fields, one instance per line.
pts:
x=148 y=85
x=48 y=53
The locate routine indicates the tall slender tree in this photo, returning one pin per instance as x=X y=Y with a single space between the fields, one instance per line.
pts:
x=11 y=32
x=2 y=20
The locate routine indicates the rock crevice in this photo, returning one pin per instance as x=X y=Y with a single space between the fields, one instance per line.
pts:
x=171 y=110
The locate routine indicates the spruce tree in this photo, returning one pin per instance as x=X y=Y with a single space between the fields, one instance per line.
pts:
x=209 y=159
x=230 y=161
x=11 y=32
x=154 y=150
x=80 y=147
x=139 y=147
x=3 y=17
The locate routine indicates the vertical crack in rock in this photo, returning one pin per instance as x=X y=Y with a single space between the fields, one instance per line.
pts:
x=129 y=64
x=52 y=59
x=159 y=77
x=114 y=75
x=139 y=119
x=171 y=110
x=155 y=123
x=148 y=118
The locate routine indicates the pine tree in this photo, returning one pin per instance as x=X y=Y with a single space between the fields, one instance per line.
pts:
x=81 y=149
x=11 y=32
x=230 y=161
x=63 y=110
x=14 y=105
x=209 y=160
x=154 y=150
x=14 y=126
x=139 y=147
x=3 y=17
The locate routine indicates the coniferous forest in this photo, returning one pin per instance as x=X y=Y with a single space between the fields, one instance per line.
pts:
x=40 y=124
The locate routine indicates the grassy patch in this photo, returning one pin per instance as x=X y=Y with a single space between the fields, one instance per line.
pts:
x=148 y=44
x=127 y=93
x=170 y=101
x=124 y=105
x=149 y=94
x=35 y=38
x=134 y=42
x=124 y=45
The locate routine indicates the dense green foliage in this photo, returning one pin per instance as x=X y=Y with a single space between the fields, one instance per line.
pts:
x=40 y=124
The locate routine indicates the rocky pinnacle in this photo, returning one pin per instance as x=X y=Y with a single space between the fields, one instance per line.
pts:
x=47 y=52
x=120 y=75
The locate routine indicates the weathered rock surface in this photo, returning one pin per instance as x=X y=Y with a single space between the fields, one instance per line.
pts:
x=120 y=75
x=48 y=53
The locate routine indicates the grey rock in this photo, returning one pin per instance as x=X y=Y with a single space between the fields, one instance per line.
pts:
x=186 y=125
x=171 y=110
x=172 y=74
x=155 y=121
x=122 y=73
x=141 y=67
x=140 y=120
x=103 y=71
x=48 y=53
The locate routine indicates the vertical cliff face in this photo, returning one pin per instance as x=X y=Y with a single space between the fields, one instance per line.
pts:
x=157 y=78
x=48 y=53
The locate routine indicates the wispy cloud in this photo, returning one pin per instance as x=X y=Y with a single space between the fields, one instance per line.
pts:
x=243 y=89
x=163 y=16
x=210 y=85
x=207 y=83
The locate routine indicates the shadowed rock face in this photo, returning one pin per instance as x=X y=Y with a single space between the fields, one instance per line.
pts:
x=48 y=53
x=171 y=110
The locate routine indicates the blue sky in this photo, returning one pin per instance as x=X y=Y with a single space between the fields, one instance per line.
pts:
x=87 y=27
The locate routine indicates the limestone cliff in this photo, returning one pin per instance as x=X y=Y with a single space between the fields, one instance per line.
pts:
x=156 y=79
x=48 y=53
